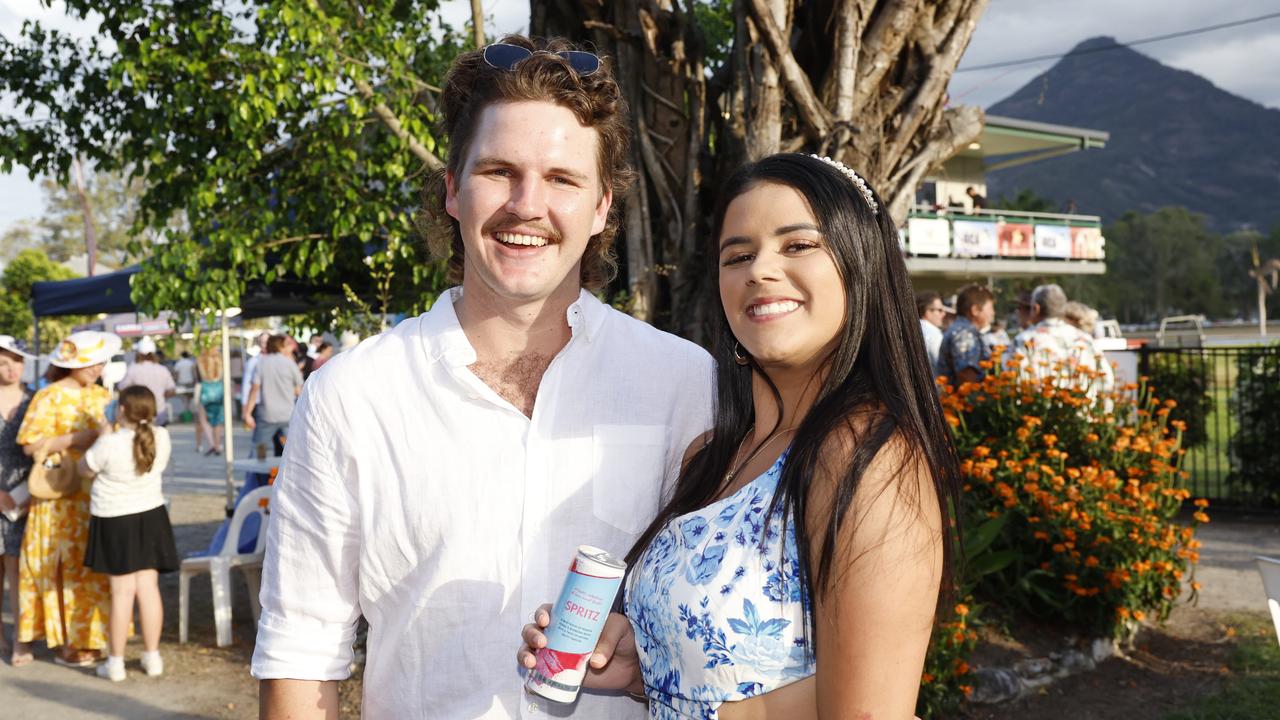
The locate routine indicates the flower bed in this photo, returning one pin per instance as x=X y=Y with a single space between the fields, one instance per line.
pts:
x=1071 y=494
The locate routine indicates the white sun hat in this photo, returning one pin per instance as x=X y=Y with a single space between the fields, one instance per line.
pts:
x=9 y=344
x=145 y=346
x=84 y=349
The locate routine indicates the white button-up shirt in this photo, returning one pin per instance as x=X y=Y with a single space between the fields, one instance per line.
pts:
x=413 y=494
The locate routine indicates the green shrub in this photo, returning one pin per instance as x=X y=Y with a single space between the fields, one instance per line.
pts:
x=1255 y=464
x=1183 y=378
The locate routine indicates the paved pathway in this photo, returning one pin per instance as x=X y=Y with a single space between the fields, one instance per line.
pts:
x=190 y=472
x=1227 y=572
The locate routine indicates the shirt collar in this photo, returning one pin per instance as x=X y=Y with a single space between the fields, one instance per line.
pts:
x=445 y=340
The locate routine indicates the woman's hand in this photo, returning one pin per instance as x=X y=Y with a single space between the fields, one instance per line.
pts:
x=615 y=663
x=82 y=439
x=6 y=502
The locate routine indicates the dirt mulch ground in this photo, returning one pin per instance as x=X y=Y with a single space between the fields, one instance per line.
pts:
x=1169 y=668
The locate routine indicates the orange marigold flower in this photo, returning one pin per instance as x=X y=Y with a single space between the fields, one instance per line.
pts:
x=926 y=678
x=1201 y=502
x=962 y=610
x=967 y=690
x=962 y=667
x=1200 y=516
x=1122 y=613
x=1139 y=615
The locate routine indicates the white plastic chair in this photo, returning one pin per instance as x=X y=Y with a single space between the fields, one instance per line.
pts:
x=219 y=567
x=1270 y=569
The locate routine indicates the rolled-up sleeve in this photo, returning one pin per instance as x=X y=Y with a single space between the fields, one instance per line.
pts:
x=310 y=577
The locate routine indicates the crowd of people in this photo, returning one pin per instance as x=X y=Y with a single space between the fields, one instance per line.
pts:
x=85 y=530
x=80 y=552
x=966 y=342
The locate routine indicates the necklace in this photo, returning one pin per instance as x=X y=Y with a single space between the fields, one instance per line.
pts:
x=733 y=472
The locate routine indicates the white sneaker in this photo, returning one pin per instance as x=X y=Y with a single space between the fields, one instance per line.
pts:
x=153 y=664
x=113 y=671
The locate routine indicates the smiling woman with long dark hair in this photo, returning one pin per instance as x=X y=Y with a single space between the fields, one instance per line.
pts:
x=796 y=570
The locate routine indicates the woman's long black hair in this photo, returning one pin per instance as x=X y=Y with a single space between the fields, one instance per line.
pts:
x=879 y=370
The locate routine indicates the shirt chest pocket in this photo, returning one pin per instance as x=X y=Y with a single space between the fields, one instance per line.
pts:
x=628 y=468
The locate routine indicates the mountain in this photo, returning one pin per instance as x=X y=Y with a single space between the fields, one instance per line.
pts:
x=1176 y=139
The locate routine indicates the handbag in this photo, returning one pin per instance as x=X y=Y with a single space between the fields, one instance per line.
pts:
x=52 y=477
x=20 y=497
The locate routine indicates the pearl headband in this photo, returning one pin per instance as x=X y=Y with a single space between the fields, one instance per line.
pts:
x=857 y=180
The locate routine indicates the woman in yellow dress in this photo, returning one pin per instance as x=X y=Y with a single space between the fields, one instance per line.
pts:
x=59 y=598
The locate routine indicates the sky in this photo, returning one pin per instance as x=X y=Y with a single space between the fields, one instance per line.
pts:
x=1242 y=60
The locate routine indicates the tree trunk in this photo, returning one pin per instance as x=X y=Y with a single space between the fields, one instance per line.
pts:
x=477 y=23
x=863 y=81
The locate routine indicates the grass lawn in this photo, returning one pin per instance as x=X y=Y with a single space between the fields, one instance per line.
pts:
x=1252 y=690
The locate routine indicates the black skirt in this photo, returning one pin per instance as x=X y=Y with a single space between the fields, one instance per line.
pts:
x=128 y=543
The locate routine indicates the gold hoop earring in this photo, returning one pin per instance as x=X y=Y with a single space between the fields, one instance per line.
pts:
x=737 y=354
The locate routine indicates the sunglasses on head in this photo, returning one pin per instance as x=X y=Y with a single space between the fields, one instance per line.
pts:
x=506 y=57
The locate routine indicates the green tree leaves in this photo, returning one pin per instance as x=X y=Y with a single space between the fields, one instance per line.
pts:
x=30 y=266
x=290 y=135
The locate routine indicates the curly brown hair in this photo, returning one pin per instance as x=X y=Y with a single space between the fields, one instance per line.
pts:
x=472 y=85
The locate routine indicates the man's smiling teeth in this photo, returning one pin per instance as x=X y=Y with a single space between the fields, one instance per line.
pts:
x=773 y=308
x=517 y=239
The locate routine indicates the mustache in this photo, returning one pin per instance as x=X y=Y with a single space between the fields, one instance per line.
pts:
x=508 y=223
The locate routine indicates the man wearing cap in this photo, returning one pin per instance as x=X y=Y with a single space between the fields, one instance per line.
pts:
x=439 y=477
x=151 y=374
x=1024 y=310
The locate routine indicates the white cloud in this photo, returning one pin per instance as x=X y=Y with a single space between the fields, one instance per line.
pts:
x=1235 y=66
x=1016 y=29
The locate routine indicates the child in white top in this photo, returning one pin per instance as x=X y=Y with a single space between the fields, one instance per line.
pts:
x=130 y=537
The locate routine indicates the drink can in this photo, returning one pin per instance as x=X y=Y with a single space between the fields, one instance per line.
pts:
x=576 y=622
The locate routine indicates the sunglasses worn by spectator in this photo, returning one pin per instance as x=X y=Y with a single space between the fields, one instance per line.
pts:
x=505 y=57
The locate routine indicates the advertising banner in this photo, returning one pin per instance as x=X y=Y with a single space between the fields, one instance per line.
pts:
x=929 y=236
x=1087 y=243
x=1053 y=241
x=1015 y=239
x=975 y=239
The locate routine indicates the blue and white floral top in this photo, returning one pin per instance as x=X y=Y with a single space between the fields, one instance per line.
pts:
x=716 y=618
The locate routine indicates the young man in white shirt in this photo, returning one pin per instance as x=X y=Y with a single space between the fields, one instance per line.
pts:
x=439 y=477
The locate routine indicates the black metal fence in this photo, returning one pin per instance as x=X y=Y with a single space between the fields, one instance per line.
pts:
x=1229 y=397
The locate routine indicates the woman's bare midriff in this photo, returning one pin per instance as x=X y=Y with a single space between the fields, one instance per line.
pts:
x=797 y=701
